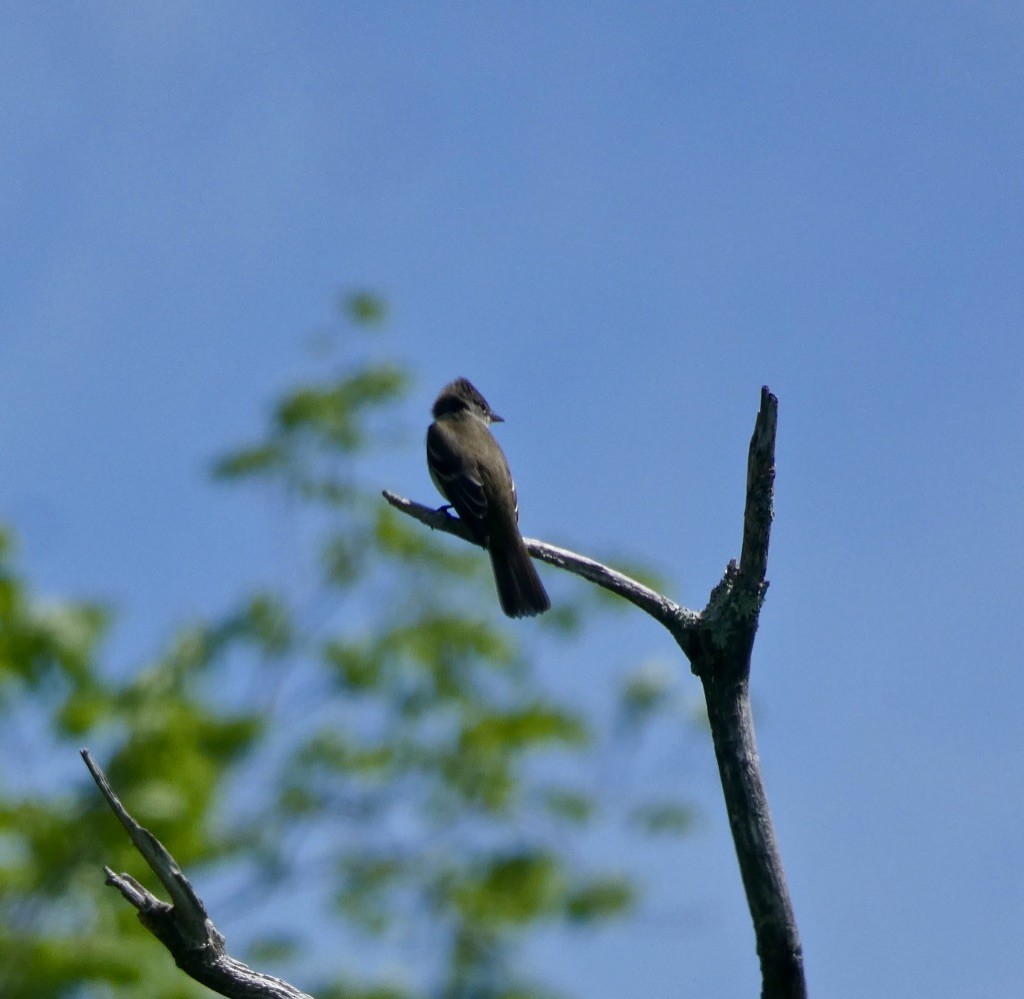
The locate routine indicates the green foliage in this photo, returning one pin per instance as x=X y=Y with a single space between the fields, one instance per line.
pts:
x=333 y=413
x=600 y=898
x=169 y=753
x=365 y=308
x=505 y=889
x=388 y=715
x=39 y=641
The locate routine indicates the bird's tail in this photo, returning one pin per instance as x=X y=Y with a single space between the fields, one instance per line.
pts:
x=519 y=587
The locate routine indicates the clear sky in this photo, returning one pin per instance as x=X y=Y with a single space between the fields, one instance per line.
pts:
x=620 y=220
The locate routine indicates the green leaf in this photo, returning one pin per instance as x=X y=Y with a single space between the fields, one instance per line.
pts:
x=535 y=725
x=365 y=309
x=269 y=623
x=251 y=461
x=357 y=667
x=367 y=879
x=600 y=898
x=513 y=888
x=333 y=414
x=340 y=753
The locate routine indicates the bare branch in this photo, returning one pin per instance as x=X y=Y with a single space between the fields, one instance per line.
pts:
x=184 y=928
x=758 y=513
x=435 y=519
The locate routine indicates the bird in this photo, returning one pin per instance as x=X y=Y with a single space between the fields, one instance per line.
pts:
x=471 y=473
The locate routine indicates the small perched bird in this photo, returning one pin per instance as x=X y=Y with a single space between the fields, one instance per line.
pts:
x=471 y=472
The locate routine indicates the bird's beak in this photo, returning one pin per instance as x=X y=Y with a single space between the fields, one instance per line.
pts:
x=497 y=419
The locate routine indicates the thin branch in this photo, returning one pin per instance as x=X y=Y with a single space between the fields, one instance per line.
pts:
x=678 y=619
x=718 y=643
x=184 y=927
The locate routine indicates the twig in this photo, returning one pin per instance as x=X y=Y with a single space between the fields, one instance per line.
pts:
x=184 y=927
x=718 y=643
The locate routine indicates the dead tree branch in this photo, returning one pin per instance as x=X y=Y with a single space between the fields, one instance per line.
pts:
x=718 y=642
x=183 y=926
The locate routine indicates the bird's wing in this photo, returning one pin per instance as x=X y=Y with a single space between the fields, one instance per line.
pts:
x=459 y=483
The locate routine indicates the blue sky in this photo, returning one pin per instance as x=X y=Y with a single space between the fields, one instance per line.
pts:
x=619 y=220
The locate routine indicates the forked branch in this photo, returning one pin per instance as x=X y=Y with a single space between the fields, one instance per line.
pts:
x=182 y=925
